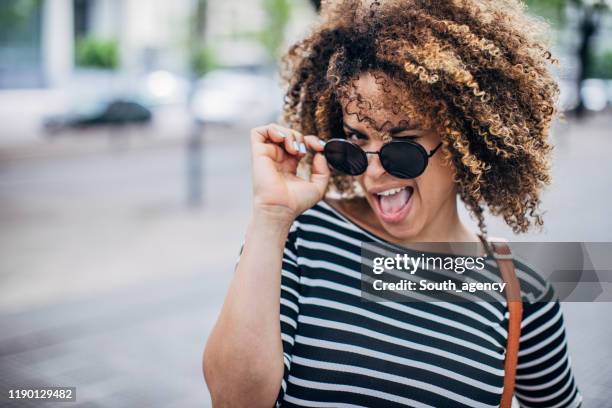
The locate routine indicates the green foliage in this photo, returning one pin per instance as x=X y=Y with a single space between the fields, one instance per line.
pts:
x=15 y=12
x=601 y=66
x=552 y=11
x=277 y=13
x=15 y=19
x=97 y=53
x=203 y=60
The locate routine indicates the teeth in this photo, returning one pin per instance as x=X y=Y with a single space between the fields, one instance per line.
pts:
x=390 y=191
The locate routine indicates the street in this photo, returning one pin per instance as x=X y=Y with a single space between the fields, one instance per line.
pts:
x=111 y=282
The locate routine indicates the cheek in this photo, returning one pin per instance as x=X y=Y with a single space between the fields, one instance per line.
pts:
x=436 y=184
x=360 y=180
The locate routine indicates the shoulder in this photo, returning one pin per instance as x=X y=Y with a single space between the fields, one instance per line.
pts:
x=320 y=217
x=325 y=223
x=322 y=213
x=534 y=287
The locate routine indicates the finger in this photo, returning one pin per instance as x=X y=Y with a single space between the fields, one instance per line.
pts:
x=271 y=150
x=284 y=129
x=276 y=152
x=314 y=143
x=320 y=173
x=291 y=145
x=278 y=134
x=271 y=132
x=290 y=139
x=261 y=138
x=299 y=140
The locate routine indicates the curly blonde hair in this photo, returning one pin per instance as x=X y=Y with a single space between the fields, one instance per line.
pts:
x=479 y=71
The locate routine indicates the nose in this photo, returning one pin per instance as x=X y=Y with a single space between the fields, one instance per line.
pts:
x=375 y=168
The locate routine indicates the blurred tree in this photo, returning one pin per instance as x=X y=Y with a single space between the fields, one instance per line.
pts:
x=552 y=10
x=277 y=13
x=590 y=22
x=97 y=53
x=21 y=43
x=13 y=13
x=200 y=16
x=202 y=57
x=589 y=14
x=316 y=4
x=601 y=66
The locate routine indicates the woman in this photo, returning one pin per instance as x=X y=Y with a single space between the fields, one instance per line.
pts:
x=462 y=91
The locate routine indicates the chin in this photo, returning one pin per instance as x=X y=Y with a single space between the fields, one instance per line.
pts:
x=404 y=231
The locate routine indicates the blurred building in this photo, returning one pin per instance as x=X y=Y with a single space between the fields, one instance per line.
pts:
x=38 y=47
x=66 y=56
x=38 y=38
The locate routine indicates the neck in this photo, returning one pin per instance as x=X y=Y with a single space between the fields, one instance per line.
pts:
x=446 y=226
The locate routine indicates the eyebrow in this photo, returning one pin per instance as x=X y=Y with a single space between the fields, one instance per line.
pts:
x=351 y=129
x=400 y=129
x=392 y=131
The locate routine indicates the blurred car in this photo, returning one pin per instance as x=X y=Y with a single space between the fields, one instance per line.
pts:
x=237 y=96
x=113 y=112
x=568 y=98
x=594 y=94
x=162 y=87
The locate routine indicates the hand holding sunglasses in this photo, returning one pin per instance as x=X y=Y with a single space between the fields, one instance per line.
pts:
x=276 y=152
x=401 y=158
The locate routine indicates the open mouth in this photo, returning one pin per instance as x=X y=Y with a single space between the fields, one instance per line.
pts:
x=393 y=204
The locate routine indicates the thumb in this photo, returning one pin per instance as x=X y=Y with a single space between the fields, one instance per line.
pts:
x=320 y=173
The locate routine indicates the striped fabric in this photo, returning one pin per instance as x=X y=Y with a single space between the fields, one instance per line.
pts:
x=342 y=351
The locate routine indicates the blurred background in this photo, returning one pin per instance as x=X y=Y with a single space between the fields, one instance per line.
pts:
x=125 y=185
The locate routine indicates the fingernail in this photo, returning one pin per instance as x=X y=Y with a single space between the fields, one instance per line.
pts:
x=302 y=148
x=281 y=132
x=295 y=145
x=322 y=142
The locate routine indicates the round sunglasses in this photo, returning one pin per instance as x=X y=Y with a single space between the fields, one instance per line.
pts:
x=401 y=158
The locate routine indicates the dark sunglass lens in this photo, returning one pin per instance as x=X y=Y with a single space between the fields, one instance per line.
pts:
x=403 y=159
x=345 y=157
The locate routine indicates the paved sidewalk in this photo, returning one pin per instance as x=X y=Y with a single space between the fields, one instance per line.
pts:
x=131 y=348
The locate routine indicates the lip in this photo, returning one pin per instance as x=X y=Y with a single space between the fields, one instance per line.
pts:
x=376 y=190
x=397 y=216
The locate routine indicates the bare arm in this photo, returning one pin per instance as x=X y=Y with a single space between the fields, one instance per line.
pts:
x=244 y=354
x=243 y=358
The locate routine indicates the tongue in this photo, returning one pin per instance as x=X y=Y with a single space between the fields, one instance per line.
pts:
x=393 y=203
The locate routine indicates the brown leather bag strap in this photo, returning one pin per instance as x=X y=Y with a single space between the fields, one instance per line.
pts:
x=501 y=252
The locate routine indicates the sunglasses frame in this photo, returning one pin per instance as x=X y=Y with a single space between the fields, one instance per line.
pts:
x=419 y=147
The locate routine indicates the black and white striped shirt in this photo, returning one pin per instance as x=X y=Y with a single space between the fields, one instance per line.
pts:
x=340 y=351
